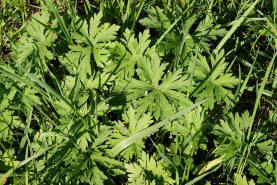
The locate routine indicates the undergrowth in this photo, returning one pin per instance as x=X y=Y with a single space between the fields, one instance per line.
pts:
x=138 y=92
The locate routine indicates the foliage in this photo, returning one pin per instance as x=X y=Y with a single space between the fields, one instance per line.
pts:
x=183 y=91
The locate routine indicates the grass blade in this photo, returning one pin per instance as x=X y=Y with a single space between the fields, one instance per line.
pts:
x=260 y=92
x=235 y=27
x=60 y=20
x=168 y=30
x=244 y=85
x=195 y=180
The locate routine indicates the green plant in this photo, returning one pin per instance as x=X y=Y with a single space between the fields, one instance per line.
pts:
x=138 y=92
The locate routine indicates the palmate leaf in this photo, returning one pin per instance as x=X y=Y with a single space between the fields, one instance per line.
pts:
x=77 y=62
x=131 y=124
x=201 y=37
x=30 y=97
x=79 y=95
x=156 y=19
x=148 y=171
x=93 y=43
x=150 y=130
x=8 y=122
x=212 y=80
x=5 y=126
x=156 y=91
x=161 y=22
x=207 y=32
x=82 y=162
x=127 y=53
x=7 y=94
x=100 y=80
x=97 y=38
x=235 y=130
x=241 y=180
x=36 y=41
x=187 y=126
